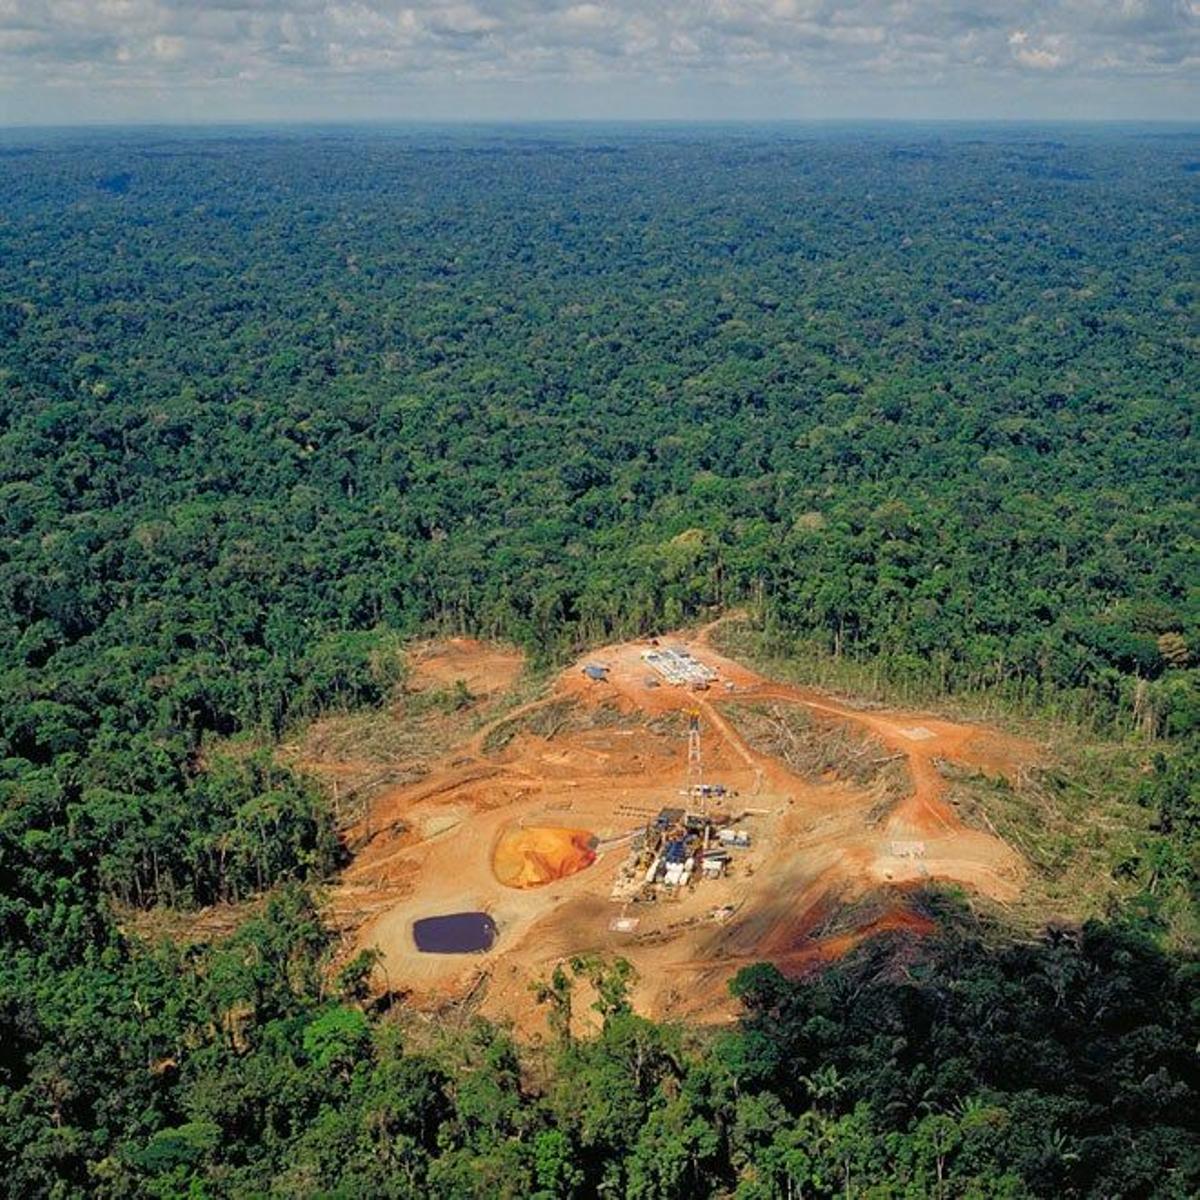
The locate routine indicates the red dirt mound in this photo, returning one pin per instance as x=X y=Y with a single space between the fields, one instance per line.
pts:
x=529 y=858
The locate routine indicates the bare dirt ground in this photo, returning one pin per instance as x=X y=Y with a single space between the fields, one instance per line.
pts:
x=485 y=669
x=531 y=833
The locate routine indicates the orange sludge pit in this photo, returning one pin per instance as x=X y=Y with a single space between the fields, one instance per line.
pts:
x=532 y=857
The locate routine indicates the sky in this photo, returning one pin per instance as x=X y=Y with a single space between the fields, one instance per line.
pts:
x=153 y=61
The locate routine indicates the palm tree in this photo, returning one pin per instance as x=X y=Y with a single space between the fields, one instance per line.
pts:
x=825 y=1083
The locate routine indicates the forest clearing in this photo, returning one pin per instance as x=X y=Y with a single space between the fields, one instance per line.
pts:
x=533 y=829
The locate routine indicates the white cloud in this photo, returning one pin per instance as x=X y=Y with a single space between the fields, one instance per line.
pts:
x=1044 y=57
x=168 y=48
x=388 y=47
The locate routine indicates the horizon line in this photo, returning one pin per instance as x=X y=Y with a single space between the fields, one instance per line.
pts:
x=559 y=122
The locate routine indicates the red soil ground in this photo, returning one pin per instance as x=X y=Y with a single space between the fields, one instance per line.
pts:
x=484 y=668
x=480 y=822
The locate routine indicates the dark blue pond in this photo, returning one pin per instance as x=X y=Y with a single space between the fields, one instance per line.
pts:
x=455 y=933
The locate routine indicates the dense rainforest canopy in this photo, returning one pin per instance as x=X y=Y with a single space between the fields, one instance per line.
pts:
x=272 y=402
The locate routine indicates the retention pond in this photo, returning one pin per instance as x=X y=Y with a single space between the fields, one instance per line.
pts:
x=455 y=933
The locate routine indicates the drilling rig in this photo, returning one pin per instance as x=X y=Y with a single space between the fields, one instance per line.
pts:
x=695 y=771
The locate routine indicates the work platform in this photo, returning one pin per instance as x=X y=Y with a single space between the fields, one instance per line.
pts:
x=678 y=667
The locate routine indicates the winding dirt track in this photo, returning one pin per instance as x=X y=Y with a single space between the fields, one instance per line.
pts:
x=819 y=846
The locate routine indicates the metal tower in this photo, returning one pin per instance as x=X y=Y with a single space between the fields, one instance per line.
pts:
x=695 y=774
